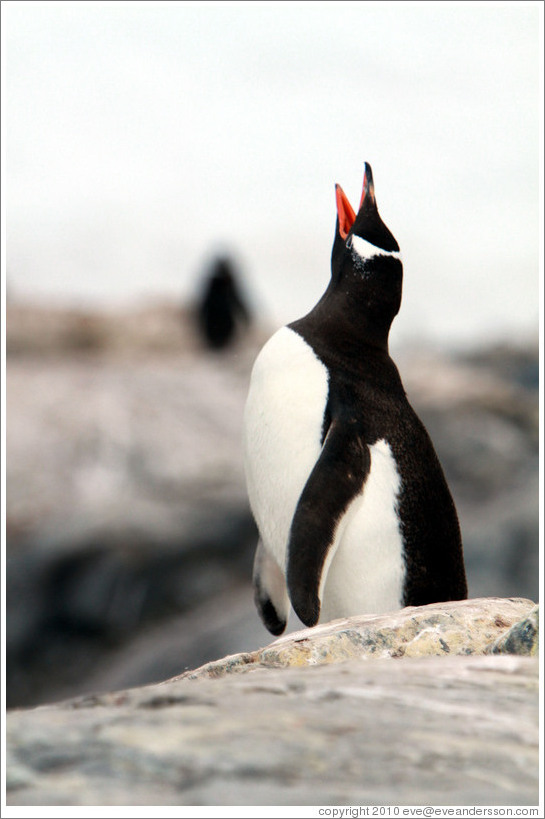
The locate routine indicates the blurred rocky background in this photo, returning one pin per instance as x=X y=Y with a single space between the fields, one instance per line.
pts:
x=129 y=537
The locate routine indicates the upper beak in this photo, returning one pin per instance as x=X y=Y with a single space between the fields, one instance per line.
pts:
x=368 y=191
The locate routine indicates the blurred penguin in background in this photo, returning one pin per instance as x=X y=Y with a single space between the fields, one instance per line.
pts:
x=221 y=311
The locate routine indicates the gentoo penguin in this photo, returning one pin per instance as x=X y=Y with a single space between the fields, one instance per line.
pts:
x=222 y=307
x=352 y=506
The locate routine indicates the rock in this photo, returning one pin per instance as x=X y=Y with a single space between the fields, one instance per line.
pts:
x=161 y=326
x=325 y=728
x=127 y=517
x=137 y=513
x=147 y=445
x=81 y=613
x=521 y=638
x=458 y=627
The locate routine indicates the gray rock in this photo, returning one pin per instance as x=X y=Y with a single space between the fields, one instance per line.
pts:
x=521 y=638
x=106 y=610
x=451 y=730
x=324 y=716
x=458 y=627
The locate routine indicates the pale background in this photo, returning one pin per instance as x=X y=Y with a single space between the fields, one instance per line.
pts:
x=143 y=137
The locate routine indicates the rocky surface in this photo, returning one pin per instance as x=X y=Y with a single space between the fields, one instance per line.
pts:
x=456 y=728
x=126 y=502
x=521 y=638
x=129 y=538
x=488 y=625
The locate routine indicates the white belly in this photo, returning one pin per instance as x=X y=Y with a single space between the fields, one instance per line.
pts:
x=367 y=571
x=282 y=433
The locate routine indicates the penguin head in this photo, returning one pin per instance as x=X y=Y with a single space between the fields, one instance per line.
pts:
x=366 y=264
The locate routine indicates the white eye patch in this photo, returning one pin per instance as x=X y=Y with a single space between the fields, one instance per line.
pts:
x=365 y=250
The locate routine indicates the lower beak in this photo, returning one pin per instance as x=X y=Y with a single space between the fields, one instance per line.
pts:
x=345 y=212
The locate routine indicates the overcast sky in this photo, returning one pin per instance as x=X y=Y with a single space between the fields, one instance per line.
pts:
x=144 y=137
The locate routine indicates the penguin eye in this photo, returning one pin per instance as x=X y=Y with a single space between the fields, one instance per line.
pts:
x=349 y=241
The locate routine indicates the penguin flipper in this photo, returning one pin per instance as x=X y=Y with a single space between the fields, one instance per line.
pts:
x=270 y=592
x=338 y=476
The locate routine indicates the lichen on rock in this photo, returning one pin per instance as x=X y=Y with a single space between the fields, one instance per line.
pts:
x=455 y=627
x=521 y=638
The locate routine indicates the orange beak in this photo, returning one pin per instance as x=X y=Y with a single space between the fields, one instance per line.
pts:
x=344 y=212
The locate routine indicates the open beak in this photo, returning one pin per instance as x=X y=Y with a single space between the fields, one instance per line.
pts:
x=345 y=211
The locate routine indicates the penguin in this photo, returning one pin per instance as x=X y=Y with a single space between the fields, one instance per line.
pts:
x=222 y=308
x=351 y=502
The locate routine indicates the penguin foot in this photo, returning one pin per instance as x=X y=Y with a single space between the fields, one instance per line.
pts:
x=269 y=616
x=270 y=593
